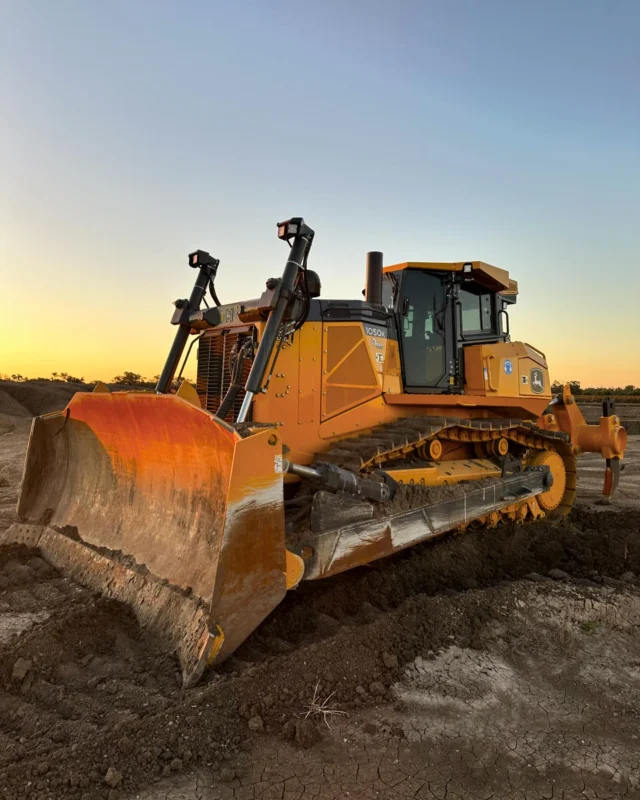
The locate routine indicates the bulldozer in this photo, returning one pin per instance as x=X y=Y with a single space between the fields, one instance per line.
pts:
x=321 y=435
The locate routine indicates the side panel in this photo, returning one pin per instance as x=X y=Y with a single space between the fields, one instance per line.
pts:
x=506 y=369
x=293 y=397
x=279 y=404
x=309 y=376
x=392 y=369
x=349 y=368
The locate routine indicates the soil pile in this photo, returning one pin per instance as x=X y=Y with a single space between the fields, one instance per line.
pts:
x=32 y=398
x=14 y=433
x=11 y=407
x=90 y=704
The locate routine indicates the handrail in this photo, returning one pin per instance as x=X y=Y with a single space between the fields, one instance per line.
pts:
x=537 y=349
x=492 y=388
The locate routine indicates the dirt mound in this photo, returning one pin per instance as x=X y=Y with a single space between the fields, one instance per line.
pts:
x=14 y=433
x=11 y=407
x=587 y=545
x=85 y=690
x=36 y=398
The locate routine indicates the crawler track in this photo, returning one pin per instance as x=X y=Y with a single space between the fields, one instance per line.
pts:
x=407 y=442
x=407 y=438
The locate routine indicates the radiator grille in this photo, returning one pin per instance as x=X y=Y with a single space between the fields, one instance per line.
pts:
x=214 y=371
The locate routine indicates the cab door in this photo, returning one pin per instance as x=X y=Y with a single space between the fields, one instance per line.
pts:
x=421 y=312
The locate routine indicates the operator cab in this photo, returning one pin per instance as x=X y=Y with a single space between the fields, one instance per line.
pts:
x=438 y=308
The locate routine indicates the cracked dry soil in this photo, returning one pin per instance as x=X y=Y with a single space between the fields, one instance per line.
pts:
x=464 y=670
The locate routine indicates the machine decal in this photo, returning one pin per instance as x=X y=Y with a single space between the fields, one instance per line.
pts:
x=525 y=380
x=380 y=333
x=278 y=465
x=380 y=358
x=537 y=381
x=508 y=366
x=377 y=344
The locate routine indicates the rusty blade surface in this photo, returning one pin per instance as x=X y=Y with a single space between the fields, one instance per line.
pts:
x=146 y=475
x=162 y=489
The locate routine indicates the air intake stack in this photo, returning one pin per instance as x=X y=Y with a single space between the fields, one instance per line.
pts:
x=373 y=289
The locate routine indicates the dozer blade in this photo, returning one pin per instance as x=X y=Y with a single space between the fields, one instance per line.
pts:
x=155 y=502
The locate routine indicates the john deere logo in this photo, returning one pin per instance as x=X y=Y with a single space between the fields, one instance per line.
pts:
x=537 y=381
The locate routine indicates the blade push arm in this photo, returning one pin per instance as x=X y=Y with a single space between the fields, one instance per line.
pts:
x=188 y=315
x=301 y=237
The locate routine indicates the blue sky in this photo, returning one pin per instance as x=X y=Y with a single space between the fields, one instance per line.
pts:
x=135 y=132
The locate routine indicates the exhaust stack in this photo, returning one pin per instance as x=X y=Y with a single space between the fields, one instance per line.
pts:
x=373 y=288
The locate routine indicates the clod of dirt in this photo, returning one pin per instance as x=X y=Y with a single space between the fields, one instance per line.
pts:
x=256 y=724
x=113 y=778
x=20 y=670
x=227 y=774
x=126 y=745
x=390 y=661
x=306 y=733
x=301 y=731
x=558 y=574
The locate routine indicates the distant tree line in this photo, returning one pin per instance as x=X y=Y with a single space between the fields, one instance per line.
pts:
x=60 y=377
x=135 y=379
x=597 y=391
x=125 y=379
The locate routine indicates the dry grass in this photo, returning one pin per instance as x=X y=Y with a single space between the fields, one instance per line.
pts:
x=318 y=707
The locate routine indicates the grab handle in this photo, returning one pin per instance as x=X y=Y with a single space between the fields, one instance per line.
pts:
x=490 y=385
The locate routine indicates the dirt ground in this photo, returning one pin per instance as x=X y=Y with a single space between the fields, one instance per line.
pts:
x=493 y=664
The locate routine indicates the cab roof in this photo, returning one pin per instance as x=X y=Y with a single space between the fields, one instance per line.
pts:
x=487 y=275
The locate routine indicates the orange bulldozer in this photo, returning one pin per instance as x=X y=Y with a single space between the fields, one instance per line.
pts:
x=322 y=435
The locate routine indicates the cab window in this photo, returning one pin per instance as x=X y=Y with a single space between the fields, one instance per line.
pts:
x=477 y=311
x=388 y=290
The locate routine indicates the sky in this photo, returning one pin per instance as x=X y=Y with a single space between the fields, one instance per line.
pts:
x=135 y=131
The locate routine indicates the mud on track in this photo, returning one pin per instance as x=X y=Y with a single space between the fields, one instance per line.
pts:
x=82 y=688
